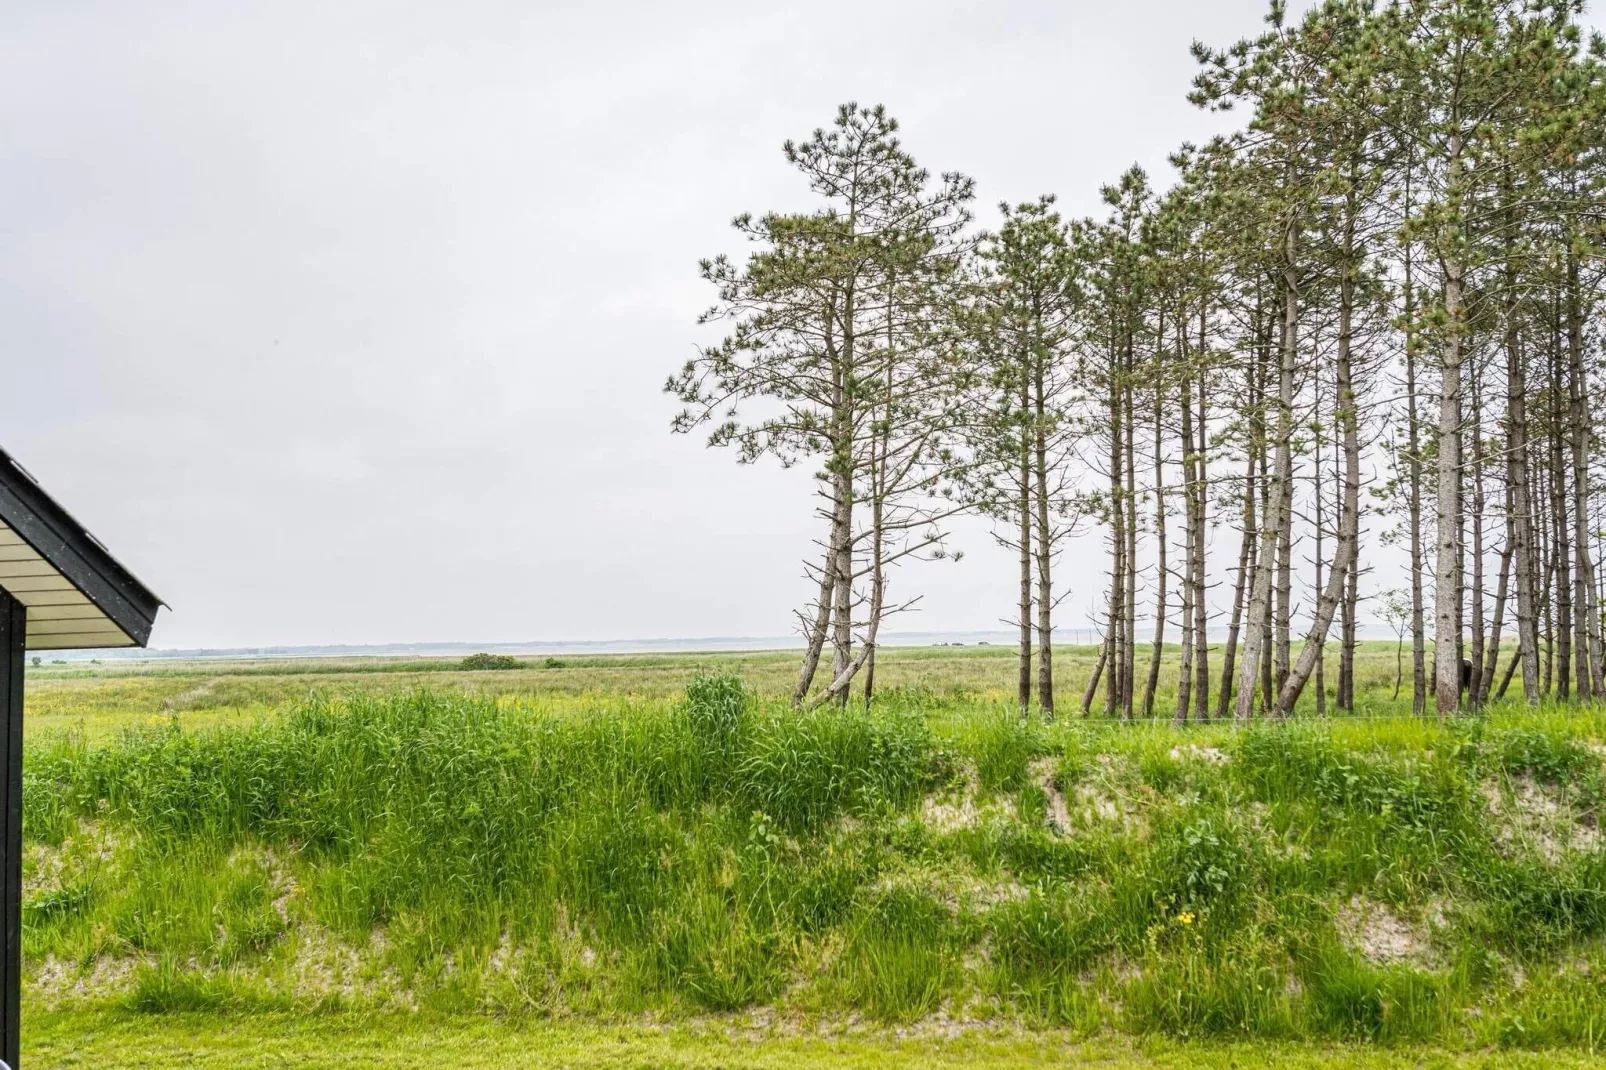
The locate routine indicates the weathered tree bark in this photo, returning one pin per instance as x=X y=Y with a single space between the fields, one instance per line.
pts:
x=1344 y=608
x=1117 y=598
x=1093 y=679
x=1447 y=578
x=1185 y=674
x=1547 y=572
x=1560 y=536
x=841 y=468
x=838 y=688
x=1476 y=476
x=1320 y=523
x=1352 y=599
x=1519 y=518
x=1247 y=542
x=1419 y=694
x=1347 y=420
x=1201 y=637
x=1277 y=489
x=1482 y=683
x=1128 y=675
x=1246 y=548
x=1023 y=507
x=822 y=619
x=1153 y=680
x=1045 y=549
x=1505 y=678
x=1586 y=613
x=1282 y=619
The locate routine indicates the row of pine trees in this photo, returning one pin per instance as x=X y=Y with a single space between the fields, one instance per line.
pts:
x=1371 y=316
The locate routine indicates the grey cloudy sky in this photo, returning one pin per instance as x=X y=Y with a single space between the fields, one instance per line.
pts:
x=348 y=322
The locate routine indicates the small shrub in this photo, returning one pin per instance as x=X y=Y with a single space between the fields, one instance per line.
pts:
x=716 y=706
x=478 y=662
x=1199 y=865
x=1546 y=755
x=1002 y=744
x=1051 y=932
x=804 y=769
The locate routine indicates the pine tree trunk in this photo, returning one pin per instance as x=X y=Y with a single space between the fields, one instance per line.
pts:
x=1201 y=637
x=1093 y=679
x=1282 y=621
x=1492 y=659
x=1349 y=519
x=1547 y=566
x=1321 y=653
x=1246 y=545
x=1117 y=600
x=1277 y=519
x=1474 y=697
x=1153 y=680
x=842 y=469
x=1586 y=614
x=1340 y=692
x=1128 y=674
x=1185 y=674
x=1352 y=597
x=1505 y=679
x=1023 y=508
x=1045 y=553
x=1559 y=535
x=1447 y=576
x=1519 y=518
x=821 y=622
x=1419 y=694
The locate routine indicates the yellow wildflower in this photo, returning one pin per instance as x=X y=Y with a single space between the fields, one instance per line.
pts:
x=1185 y=918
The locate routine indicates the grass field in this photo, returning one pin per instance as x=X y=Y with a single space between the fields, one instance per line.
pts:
x=646 y=861
x=211 y=1042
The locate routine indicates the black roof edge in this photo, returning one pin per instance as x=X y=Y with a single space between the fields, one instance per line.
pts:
x=83 y=559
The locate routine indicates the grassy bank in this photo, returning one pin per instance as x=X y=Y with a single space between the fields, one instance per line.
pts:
x=937 y=860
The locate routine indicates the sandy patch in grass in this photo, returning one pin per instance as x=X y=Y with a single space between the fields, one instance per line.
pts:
x=961 y=808
x=59 y=982
x=1194 y=752
x=1528 y=815
x=325 y=965
x=93 y=844
x=957 y=889
x=1380 y=936
x=1059 y=812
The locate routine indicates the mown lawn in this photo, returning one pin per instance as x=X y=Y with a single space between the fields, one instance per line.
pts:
x=112 y=1039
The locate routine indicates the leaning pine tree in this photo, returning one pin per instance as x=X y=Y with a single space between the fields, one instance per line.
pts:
x=838 y=340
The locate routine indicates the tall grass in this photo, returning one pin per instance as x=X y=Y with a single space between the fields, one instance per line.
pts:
x=719 y=851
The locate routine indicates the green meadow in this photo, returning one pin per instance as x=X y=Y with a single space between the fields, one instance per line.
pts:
x=653 y=861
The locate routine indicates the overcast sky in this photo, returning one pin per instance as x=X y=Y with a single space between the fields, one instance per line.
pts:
x=349 y=322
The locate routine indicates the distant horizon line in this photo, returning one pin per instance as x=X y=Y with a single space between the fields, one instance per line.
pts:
x=655 y=645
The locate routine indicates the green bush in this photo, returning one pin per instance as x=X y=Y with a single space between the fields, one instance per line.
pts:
x=476 y=662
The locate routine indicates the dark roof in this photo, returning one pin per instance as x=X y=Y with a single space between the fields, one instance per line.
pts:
x=76 y=593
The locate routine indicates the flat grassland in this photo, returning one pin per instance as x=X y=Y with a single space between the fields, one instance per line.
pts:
x=650 y=861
